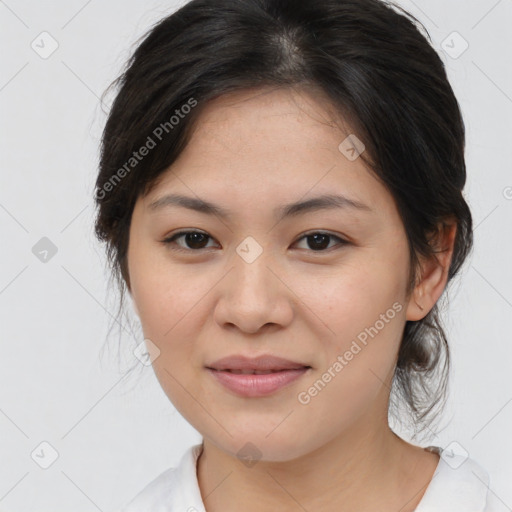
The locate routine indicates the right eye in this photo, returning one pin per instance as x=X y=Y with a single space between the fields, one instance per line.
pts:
x=195 y=240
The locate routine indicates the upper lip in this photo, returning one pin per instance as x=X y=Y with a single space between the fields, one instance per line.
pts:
x=263 y=362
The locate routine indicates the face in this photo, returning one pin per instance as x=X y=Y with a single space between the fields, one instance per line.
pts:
x=322 y=287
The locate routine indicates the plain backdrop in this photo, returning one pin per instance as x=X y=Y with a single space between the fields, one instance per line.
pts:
x=61 y=381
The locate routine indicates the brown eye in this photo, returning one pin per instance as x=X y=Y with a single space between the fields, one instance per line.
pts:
x=319 y=241
x=194 y=240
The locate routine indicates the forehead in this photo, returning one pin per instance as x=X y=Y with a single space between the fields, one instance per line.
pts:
x=267 y=146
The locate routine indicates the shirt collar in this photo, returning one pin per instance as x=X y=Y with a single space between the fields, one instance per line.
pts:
x=459 y=484
x=187 y=495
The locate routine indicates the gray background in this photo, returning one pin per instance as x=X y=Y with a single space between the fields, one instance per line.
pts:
x=113 y=434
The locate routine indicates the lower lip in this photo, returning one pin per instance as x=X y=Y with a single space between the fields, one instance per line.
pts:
x=250 y=385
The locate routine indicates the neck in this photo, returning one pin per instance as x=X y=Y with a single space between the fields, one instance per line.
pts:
x=367 y=468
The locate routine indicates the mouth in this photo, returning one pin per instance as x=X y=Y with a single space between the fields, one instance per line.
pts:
x=266 y=363
x=257 y=372
x=256 y=377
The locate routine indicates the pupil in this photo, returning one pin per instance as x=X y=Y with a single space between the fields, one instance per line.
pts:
x=192 y=238
x=321 y=245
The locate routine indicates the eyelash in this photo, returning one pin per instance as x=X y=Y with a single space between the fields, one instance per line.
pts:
x=170 y=241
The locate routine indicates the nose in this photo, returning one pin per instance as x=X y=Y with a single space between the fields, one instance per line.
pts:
x=254 y=296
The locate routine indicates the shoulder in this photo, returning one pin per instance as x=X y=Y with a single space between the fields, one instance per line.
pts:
x=459 y=484
x=176 y=489
x=157 y=493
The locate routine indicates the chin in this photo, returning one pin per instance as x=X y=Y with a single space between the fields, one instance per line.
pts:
x=253 y=445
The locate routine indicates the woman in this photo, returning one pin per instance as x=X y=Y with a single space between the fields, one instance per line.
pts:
x=280 y=191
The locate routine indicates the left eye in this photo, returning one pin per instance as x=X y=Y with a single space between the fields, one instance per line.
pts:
x=196 y=240
x=320 y=240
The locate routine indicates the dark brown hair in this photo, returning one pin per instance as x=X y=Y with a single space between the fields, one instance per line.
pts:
x=369 y=58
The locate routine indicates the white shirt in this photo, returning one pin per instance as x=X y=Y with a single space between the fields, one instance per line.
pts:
x=457 y=485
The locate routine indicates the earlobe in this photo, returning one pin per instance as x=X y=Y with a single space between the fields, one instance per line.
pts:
x=415 y=310
x=434 y=274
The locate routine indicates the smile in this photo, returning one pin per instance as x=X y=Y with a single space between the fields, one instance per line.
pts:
x=256 y=383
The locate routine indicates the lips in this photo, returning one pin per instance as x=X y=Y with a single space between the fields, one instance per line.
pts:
x=252 y=372
x=264 y=364
x=258 y=376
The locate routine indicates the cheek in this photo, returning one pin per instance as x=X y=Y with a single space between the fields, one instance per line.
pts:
x=164 y=293
x=355 y=299
x=365 y=312
x=169 y=319
x=174 y=302
x=359 y=359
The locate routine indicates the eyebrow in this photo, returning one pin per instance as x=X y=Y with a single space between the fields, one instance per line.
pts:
x=324 y=202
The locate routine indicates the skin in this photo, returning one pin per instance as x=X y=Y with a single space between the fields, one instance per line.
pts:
x=251 y=152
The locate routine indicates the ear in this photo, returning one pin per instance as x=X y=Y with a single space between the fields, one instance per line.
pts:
x=434 y=272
